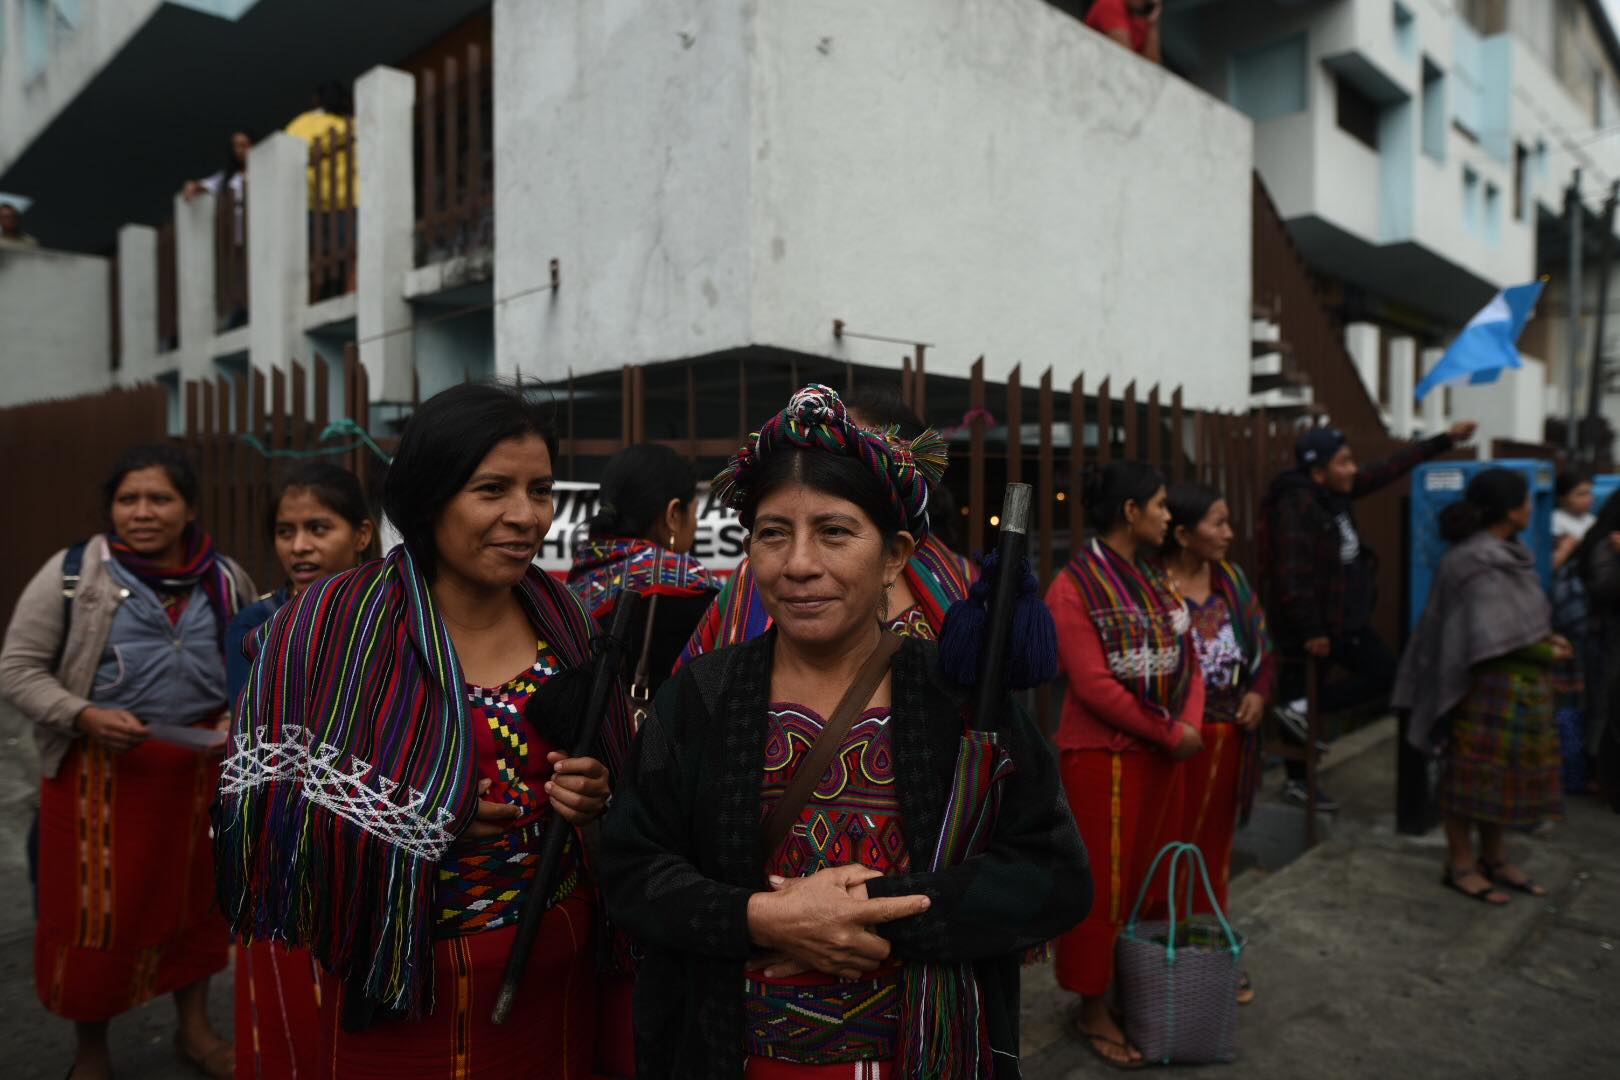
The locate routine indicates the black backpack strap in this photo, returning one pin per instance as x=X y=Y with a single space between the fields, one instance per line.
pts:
x=72 y=565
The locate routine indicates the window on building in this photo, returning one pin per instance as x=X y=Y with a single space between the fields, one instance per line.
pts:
x=1357 y=113
x=1269 y=81
x=1493 y=215
x=1405 y=31
x=1471 y=200
x=1434 y=110
x=1521 y=180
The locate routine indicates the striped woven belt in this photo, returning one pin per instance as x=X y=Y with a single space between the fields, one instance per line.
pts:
x=483 y=886
x=823 y=1023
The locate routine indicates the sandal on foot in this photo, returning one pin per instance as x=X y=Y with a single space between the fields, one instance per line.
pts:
x=220 y=1062
x=1092 y=1040
x=1245 y=990
x=1529 y=886
x=1449 y=880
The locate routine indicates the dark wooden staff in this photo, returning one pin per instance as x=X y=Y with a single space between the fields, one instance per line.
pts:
x=1011 y=547
x=609 y=663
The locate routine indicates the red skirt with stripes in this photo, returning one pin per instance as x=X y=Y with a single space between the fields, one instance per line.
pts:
x=551 y=1034
x=1210 y=807
x=278 y=1012
x=1128 y=806
x=126 y=879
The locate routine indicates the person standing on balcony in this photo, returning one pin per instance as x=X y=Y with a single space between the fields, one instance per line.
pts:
x=1240 y=673
x=334 y=182
x=1134 y=709
x=1132 y=23
x=396 y=765
x=11 y=228
x=115 y=652
x=1475 y=679
x=320 y=525
x=934 y=579
x=1324 y=579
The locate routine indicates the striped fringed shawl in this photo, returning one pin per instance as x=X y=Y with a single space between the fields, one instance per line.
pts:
x=937 y=576
x=1143 y=624
x=353 y=771
x=1249 y=627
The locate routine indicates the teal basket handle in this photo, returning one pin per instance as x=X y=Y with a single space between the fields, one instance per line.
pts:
x=1197 y=869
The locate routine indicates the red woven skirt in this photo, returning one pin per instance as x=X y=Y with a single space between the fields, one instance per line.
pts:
x=126 y=879
x=551 y=1034
x=1210 y=806
x=278 y=1012
x=1128 y=805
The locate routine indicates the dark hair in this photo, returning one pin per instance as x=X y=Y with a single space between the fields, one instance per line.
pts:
x=232 y=166
x=882 y=405
x=334 y=487
x=1568 y=480
x=1105 y=491
x=637 y=485
x=1491 y=496
x=831 y=474
x=440 y=447
x=1189 y=504
x=333 y=96
x=171 y=459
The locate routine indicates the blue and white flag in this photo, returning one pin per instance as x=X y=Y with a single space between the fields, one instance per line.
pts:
x=1490 y=341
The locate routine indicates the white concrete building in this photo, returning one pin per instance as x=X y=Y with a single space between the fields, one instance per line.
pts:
x=713 y=179
x=1420 y=150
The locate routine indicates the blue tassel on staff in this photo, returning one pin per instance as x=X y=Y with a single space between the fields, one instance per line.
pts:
x=1031 y=657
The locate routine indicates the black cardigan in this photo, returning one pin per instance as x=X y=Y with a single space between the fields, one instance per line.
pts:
x=681 y=855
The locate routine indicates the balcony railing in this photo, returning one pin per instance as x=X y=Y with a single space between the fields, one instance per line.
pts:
x=455 y=155
x=332 y=239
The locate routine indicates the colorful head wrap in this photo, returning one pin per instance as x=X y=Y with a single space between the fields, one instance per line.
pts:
x=816 y=419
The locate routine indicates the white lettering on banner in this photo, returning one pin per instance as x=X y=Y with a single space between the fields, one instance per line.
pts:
x=719 y=545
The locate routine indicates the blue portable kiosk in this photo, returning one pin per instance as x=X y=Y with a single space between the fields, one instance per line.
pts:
x=1602 y=487
x=1438 y=484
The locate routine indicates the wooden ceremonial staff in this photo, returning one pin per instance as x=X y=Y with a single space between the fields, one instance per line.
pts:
x=1013 y=544
x=603 y=682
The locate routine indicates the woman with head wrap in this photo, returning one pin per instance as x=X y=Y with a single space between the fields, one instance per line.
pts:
x=785 y=917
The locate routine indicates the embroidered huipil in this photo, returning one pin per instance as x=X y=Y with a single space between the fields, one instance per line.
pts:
x=1220 y=658
x=852 y=816
x=481 y=884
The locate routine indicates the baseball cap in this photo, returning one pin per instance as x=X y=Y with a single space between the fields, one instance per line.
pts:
x=1317 y=445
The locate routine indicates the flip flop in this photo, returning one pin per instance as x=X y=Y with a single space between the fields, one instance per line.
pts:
x=1091 y=1044
x=1449 y=880
x=220 y=1062
x=1245 y=990
x=1529 y=886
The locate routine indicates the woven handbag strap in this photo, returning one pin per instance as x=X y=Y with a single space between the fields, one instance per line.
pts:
x=815 y=761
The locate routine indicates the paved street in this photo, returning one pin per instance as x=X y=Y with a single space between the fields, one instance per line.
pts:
x=1364 y=965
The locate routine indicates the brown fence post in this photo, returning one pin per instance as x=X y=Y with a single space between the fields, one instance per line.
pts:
x=1155 y=431
x=1045 y=481
x=1178 y=439
x=976 y=494
x=1105 y=423
x=1015 y=425
x=1133 y=444
x=1077 y=458
x=919 y=385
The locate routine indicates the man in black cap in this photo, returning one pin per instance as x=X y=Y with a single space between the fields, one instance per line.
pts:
x=1323 y=578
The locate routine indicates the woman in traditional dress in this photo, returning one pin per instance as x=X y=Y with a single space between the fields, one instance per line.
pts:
x=115 y=652
x=1475 y=679
x=320 y=525
x=798 y=926
x=1134 y=709
x=396 y=762
x=641 y=538
x=1239 y=669
x=933 y=579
